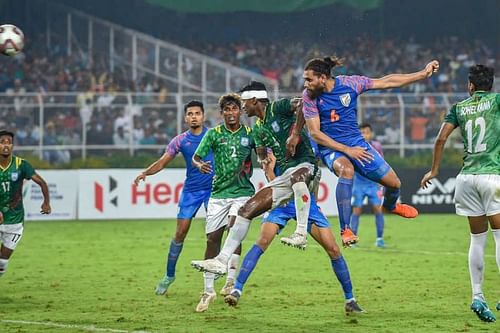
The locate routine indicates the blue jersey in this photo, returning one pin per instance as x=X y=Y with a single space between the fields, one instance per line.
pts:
x=186 y=143
x=337 y=112
x=337 y=109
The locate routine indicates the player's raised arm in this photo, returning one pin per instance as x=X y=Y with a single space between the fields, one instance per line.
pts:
x=442 y=137
x=400 y=80
x=45 y=209
x=154 y=168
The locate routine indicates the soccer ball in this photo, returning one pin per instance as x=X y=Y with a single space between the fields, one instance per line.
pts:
x=11 y=40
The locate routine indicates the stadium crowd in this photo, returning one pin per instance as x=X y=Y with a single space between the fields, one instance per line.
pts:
x=148 y=114
x=284 y=61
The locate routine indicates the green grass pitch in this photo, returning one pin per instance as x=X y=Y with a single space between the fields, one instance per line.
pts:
x=100 y=277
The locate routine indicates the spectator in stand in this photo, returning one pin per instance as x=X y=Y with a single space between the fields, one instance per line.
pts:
x=418 y=123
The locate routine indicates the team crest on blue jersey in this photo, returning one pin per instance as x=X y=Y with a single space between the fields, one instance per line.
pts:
x=345 y=99
x=275 y=126
x=244 y=141
x=14 y=176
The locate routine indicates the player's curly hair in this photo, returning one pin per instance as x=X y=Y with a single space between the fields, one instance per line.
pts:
x=324 y=65
x=481 y=77
x=230 y=98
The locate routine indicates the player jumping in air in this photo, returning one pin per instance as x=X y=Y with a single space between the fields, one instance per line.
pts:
x=330 y=107
x=275 y=121
x=477 y=191
x=318 y=227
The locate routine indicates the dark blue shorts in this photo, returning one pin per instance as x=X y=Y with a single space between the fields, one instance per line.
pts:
x=282 y=214
x=373 y=170
x=190 y=202
x=373 y=191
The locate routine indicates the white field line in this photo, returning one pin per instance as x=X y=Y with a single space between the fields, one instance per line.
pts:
x=89 y=328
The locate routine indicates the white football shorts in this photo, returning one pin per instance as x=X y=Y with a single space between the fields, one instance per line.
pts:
x=11 y=234
x=218 y=211
x=477 y=195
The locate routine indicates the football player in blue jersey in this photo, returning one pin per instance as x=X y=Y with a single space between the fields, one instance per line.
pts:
x=330 y=111
x=319 y=228
x=197 y=187
x=364 y=187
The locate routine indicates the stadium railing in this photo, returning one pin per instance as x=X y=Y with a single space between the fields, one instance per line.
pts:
x=65 y=124
x=141 y=55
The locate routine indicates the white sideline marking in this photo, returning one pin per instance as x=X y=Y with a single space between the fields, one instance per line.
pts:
x=90 y=328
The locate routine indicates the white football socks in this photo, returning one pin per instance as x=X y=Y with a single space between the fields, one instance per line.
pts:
x=496 y=236
x=302 y=199
x=476 y=263
x=209 y=282
x=232 y=266
x=3 y=266
x=236 y=234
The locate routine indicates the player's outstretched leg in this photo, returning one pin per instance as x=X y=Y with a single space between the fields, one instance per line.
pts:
x=392 y=193
x=498 y=306
x=391 y=205
x=256 y=205
x=403 y=210
x=296 y=240
x=302 y=200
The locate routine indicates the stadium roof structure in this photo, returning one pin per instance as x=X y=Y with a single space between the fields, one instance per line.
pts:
x=264 y=6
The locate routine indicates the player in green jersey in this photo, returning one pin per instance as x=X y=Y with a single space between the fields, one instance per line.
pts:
x=232 y=144
x=477 y=192
x=275 y=121
x=13 y=171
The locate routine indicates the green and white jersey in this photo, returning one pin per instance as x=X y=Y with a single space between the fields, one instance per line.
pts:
x=11 y=189
x=479 y=122
x=273 y=131
x=233 y=163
